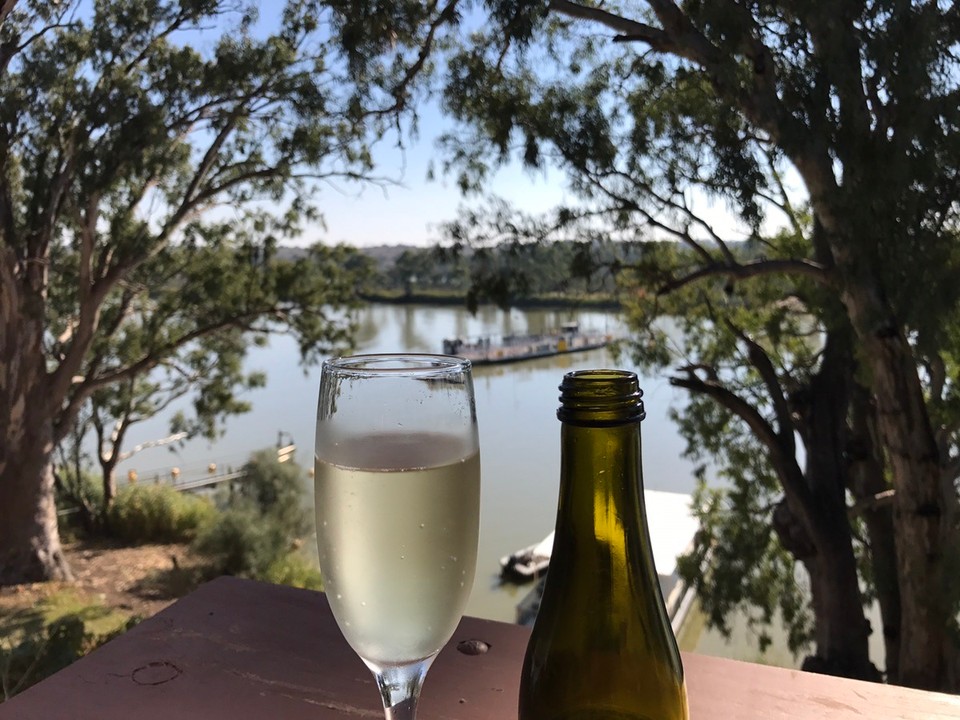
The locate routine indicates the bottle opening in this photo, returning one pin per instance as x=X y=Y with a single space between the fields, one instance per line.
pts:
x=600 y=397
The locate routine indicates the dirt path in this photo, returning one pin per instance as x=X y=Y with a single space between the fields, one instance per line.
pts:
x=138 y=581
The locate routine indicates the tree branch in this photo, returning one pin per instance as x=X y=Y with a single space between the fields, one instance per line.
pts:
x=399 y=91
x=784 y=462
x=785 y=205
x=176 y=437
x=8 y=233
x=741 y=271
x=650 y=218
x=209 y=157
x=154 y=358
x=629 y=30
x=832 y=37
x=6 y=6
x=761 y=361
x=53 y=194
x=755 y=96
x=871 y=503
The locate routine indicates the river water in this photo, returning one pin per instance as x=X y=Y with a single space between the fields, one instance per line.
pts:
x=516 y=406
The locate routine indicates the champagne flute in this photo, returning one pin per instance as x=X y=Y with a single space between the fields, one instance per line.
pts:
x=397 y=483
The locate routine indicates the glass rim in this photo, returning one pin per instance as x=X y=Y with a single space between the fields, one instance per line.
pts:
x=397 y=364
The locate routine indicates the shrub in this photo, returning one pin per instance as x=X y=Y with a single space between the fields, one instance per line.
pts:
x=158 y=513
x=87 y=489
x=246 y=543
x=241 y=543
x=258 y=532
x=81 y=499
x=294 y=570
x=277 y=490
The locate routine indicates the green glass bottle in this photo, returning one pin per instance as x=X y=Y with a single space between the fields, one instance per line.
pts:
x=602 y=647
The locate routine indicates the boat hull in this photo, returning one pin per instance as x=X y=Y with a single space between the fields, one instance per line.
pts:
x=485 y=351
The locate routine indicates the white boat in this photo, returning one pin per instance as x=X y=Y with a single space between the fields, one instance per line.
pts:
x=529 y=563
x=672 y=526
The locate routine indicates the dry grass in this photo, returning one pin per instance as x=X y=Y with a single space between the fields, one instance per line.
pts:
x=135 y=581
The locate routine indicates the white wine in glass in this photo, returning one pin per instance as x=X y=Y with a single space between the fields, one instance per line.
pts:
x=397 y=481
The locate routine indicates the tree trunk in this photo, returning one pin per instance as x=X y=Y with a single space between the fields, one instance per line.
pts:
x=29 y=538
x=920 y=503
x=842 y=630
x=867 y=482
x=108 y=467
x=109 y=485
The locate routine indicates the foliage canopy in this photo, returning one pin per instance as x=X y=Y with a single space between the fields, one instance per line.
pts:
x=824 y=319
x=153 y=156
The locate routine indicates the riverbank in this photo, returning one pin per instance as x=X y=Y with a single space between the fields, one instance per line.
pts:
x=457 y=299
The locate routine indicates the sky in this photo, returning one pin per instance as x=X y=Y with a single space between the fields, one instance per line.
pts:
x=411 y=211
x=411 y=208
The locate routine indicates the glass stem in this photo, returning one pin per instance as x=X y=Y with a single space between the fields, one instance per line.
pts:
x=400 y=687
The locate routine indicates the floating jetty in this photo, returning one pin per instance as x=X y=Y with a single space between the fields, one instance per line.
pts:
x=491 y=349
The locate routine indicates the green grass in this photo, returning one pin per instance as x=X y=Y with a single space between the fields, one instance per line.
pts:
x=39 y=640
x=98 y=618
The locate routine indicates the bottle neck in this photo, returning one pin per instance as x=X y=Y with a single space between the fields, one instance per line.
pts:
x=602 y=543
x=601 y=485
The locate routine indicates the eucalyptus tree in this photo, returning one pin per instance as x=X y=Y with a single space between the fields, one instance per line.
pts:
x=849 y=111
x=153 y=153
x=206 y=377
x=777 y=410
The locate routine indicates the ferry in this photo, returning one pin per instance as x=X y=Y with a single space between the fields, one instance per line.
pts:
x=493 y=349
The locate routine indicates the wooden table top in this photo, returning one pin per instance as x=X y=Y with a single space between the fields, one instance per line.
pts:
x=240 y=649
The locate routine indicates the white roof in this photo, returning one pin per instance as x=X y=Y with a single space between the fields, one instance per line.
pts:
x=544 y=547
x=672 y=526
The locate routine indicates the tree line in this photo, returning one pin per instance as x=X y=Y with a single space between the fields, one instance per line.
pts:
x=505 y=274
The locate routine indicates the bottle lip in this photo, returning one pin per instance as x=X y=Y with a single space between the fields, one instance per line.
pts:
x=600 y=397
